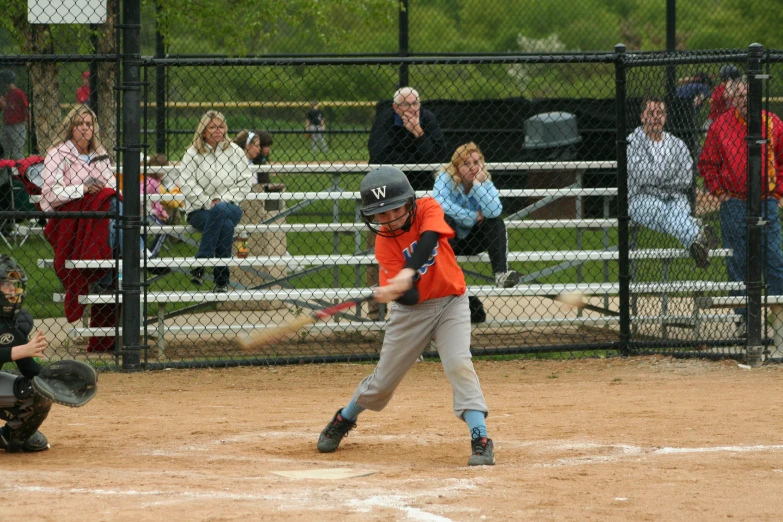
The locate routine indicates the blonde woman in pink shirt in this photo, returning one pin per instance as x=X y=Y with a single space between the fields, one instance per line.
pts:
x=78 y=165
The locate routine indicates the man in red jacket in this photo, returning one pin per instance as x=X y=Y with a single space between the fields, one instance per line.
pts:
x=14 y=105
x=723 y=165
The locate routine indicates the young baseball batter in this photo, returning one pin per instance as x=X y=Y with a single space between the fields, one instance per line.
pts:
x=419 y=273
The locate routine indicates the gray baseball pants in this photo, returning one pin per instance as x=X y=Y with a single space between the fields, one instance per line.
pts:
x=408 y=332
x=12 y=138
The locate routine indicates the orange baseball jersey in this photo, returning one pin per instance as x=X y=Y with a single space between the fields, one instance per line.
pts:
x=440 y=276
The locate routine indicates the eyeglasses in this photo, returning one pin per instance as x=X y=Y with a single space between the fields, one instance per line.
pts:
x=405 y=105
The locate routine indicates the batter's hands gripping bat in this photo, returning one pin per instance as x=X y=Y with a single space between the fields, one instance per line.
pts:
x=270 y=335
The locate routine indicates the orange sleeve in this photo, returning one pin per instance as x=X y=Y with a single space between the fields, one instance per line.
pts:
x=389 y=262
x=432 y=218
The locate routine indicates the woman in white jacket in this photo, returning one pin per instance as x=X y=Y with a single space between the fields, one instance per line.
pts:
x=214 y=179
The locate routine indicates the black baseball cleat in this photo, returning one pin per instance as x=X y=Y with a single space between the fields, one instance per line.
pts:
x=483 y=453
x=35 y=443
x=197 y=276
x=334 y=432
x=700 y=253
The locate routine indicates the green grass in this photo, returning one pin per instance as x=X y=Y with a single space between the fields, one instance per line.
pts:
x=287 y=148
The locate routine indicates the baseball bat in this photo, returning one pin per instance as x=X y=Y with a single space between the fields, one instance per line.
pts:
x=270 y=335
x=576 y=299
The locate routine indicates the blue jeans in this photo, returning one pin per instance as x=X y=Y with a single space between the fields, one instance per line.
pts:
x=733 y=229
x=217 y=228
x=107 y=279
x=113 y=233
x=670 y=216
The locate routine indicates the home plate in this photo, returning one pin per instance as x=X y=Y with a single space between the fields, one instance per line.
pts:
x=328 y=474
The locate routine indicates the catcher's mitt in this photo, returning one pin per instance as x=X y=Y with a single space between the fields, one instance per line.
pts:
x=70 y=383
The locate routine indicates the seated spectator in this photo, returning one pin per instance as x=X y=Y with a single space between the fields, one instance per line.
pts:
x=402 y=134
x=77 y=176
x=660 y=173
x=472 y=206
x=152 y=185
x=155 y=210
x=265 y=141
x=215 y=178
x=724 y=166
x=250 y=143
x=407 y=133
x=166 y=186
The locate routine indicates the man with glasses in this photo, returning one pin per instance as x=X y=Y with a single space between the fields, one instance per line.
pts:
x=406 y=133
x=724 y=166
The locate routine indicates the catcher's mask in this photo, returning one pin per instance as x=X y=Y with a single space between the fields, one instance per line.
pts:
x=384 y=189
x=13 y=282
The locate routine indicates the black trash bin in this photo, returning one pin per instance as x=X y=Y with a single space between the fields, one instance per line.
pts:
x=552 y=137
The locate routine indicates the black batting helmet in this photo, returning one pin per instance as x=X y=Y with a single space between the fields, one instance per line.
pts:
x=13 y=283
x=386 y=188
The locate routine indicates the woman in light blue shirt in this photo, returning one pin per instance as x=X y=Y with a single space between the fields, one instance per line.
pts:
x=472 y=206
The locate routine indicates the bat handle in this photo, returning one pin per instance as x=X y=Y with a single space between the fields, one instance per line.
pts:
x=325 y=313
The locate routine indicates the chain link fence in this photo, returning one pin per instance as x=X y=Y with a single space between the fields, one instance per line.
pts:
x=248 y=171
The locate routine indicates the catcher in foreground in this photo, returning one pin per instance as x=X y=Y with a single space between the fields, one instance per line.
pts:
x=25 y=400
x=419 y=272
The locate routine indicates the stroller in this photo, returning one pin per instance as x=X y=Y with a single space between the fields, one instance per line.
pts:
x=19 y=179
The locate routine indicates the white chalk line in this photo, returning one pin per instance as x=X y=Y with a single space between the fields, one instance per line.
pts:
x=292 y=500
x=619 y=452
x=193 y=495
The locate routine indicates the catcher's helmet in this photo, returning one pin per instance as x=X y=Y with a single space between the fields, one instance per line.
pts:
x=382 y=189
x=13 y=283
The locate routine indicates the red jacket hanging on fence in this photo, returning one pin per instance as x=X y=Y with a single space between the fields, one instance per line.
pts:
x=83 y=238
x=724 y=159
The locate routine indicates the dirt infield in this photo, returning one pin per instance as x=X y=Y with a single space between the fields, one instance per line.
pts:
x=612 y=439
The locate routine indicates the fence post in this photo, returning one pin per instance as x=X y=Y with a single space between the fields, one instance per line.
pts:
x=755 y=220
x=160 y=86
x=404 y=6
x=93 y=68
x=131 y=148
x=624 y=276
x=671 y=46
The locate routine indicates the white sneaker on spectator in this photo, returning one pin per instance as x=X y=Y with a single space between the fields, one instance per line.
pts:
x=740 y=329
x=506 y=279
